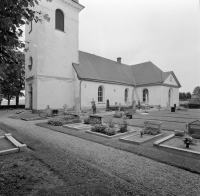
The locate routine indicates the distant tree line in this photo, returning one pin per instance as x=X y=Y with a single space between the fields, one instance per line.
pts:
x=185 y=96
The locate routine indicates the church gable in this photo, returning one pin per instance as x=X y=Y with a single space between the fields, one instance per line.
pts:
x=170 y=79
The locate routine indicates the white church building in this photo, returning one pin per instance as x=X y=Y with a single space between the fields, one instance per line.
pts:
x=57 y=73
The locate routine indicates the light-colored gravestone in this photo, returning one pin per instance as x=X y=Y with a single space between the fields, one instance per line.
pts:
x=65 y=109
x=119 y=107
x=48 y=111
x=134 y=106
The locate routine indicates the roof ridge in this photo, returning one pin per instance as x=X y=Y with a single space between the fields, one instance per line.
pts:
x=105 y=58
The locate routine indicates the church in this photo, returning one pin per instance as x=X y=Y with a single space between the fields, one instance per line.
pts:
x=57 y=73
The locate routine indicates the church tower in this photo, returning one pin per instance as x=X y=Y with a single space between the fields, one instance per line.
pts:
x=52 y=48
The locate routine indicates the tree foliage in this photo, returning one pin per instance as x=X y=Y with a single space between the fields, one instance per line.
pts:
x=196 y=92
x=14 y=77
x=13 y=15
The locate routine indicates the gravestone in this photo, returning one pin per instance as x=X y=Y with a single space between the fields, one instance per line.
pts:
x=48 y=111
x=153 y=124
x=119 y=107
x=107 y=104
x=194 y=127
x=134 y=106
x=65 y=109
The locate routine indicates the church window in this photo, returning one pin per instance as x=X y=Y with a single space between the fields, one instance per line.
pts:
x=126 y=95
x=59 y=20
x=145 y=95
x=100 y=94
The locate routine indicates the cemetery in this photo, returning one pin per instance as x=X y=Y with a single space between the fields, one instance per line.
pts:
x=161 y=129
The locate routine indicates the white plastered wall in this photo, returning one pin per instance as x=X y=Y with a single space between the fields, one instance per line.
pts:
x=154 y=94
x=53 y=53
x=158 y=95
x=174 y=96
x=113 y=93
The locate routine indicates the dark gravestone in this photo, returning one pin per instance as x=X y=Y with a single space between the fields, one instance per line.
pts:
x=172 y=109
x=175 y=106
x=194 y=128
x=107 y=104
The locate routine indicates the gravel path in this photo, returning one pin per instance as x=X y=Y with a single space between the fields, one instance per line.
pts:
x=155 y=177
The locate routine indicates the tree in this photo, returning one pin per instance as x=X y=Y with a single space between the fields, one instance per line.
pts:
x=13 y=82
x=188 y=95
x=13 y=15
x=196 y=92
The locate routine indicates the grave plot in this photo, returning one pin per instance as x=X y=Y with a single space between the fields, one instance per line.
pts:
x=78 y=126
x=8 y=145
x=183 y=143
x=152 y=129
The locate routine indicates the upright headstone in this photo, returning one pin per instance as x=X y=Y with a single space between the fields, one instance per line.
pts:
x=194 y=127
x=48 y=111
x=115 y=105
x=65 y=109
x=134 y=106
x=107 y=104
x=119 y=107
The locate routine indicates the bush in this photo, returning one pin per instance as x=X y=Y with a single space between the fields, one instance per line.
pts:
x=151 y=131
x=87 y=120
x=191 y=105
x=123 y=127
x=118 y=115
x=95 y=121
x=99 y=128
x=60 y=121
x=194 y=105
x=103 y=129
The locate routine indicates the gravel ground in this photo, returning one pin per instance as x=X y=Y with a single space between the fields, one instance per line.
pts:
x=154 y=177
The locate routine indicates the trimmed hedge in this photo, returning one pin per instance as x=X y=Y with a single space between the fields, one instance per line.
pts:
x=62 y=120
x=191 y=105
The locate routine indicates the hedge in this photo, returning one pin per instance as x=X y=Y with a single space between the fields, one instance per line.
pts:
x=191 y=105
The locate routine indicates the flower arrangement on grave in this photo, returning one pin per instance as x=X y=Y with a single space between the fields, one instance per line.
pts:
x=188 y=140
x=118 y=114
x=141 y=132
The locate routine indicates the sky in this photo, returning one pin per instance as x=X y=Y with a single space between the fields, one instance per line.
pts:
x=165 y=32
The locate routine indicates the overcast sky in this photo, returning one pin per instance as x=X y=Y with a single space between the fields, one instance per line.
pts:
x=165 y=32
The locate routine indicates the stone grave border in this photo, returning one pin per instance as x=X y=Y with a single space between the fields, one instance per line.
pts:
x=107 y=136
x=180 y=151
x=19 y=147
x=125 y=139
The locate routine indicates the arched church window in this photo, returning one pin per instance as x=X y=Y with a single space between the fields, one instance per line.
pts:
x=59 y=20
x=100 y=94
x=145 y=95
x=126 y=95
